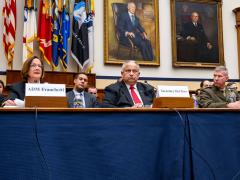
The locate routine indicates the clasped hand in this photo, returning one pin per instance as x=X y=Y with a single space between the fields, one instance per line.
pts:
x=234 y=105
x=131 y=34
x=9 y=103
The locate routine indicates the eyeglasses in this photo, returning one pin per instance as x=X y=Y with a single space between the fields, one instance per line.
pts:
x=92 y=93
x=36 y=65
x=134 y=71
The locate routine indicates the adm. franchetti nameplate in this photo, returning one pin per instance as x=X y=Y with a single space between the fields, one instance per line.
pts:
x=173 y=91
x=53 y=90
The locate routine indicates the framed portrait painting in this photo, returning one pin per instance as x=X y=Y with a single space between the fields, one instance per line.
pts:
x=197 y=38
x=131 y=31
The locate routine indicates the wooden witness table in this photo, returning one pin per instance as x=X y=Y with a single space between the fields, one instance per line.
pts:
x=129 y=144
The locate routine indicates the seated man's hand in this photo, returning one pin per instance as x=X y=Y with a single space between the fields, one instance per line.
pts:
x=209 y=46
x=191 y=38
x=9 y=103
x=139 y=105
x=131 y=34
x=235 y=105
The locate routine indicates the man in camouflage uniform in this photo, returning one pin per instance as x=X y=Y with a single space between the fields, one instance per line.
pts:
x=219 y=96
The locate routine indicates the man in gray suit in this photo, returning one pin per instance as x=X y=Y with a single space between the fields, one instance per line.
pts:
x=218 y=95
x=78 y=98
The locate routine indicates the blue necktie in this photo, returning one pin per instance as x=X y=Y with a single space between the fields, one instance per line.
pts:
x=133 y=19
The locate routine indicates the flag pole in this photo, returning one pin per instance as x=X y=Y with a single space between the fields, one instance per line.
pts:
x=11 y=66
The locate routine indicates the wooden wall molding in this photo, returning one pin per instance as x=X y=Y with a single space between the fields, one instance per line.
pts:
x=67 y=78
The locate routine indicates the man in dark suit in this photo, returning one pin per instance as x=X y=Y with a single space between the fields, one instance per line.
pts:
x=129 y=27
x=128 y=92
x=194 y=34
x=78 y=98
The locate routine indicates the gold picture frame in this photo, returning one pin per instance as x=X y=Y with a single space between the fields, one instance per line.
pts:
x=118 y=45
x=197 y=37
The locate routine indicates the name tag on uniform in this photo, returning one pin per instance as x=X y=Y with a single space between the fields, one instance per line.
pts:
x=52 y=90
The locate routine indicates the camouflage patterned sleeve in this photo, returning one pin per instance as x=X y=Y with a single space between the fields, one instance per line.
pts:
x=209 y=99
x=238 y=96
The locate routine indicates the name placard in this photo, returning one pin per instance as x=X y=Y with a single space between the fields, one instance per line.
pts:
x=52 y=90
x=173 y=91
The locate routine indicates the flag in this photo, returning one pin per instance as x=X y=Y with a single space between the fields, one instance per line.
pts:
x=9 y=29
x=90 y=13
x=30 y=28
x=56 y=29
x=82 y=35
x=65 y=34
x=45 y=29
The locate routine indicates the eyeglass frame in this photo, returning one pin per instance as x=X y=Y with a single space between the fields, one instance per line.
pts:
x=36 y=65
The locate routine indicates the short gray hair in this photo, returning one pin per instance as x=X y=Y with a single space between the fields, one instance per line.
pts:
x=221 y=69
x=129 y=62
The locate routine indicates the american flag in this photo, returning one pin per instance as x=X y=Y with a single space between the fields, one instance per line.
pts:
x=9 y=29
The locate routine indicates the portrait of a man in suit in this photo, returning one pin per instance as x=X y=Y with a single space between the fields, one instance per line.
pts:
x=131 y=31
x=197 y=31
x=194 y=33
x=129 y=27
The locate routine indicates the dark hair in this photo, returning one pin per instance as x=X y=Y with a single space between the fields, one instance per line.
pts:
x=76 y=75
x=26 y=67
x=1 y=82
x=197 y=91
x=202 y=83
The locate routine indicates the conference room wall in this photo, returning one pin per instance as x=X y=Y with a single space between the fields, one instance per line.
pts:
x=164 y=71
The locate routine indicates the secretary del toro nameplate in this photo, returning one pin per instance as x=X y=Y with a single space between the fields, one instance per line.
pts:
x=51 y=90
x=172 y=91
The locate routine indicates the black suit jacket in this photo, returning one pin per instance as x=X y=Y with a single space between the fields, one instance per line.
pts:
x=2 y=99
x=117 y=95
x=125 y=25
x=197 y=32
x=90 y=100
x=17 y=90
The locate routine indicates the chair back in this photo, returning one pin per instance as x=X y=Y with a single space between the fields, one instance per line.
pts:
x=117 y=9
